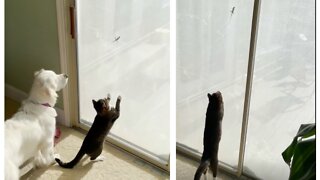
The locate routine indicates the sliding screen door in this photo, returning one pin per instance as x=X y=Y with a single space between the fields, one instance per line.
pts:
x=283 y=90
x=212 y=54
x=123 y=49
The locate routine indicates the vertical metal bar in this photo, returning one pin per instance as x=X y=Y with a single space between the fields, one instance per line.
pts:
x=250 y=70
x=72 y=28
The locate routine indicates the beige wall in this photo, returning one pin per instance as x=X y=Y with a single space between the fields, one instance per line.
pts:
x=31 y=41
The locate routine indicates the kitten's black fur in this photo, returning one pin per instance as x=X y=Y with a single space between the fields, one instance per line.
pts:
x=93 y=142
x=212 y=135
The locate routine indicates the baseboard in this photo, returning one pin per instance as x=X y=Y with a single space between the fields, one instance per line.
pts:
x=19 y=95
x=14 y=93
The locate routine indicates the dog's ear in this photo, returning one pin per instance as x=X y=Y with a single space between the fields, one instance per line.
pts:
x=50 y=92
x=49 y=89
x=38 y=72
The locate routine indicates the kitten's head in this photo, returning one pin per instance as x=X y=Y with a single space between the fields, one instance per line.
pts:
x=215 y=98
x=101 y=106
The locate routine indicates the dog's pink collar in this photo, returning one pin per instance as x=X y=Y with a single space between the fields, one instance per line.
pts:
x=46 y=104
x=43 y=104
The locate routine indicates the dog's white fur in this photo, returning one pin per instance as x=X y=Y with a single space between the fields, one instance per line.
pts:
x=30 y=132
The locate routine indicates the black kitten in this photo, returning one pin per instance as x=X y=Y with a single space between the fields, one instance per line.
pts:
x=93 y=142
x=212 y=135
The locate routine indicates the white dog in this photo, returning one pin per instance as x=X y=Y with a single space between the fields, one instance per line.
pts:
x=30 y=132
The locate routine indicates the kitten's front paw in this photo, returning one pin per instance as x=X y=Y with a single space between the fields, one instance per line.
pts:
x=119 y=98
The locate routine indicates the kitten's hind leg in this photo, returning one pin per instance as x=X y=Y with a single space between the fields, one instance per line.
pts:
x=99 y=158
x=95 y=156
x=214 y=167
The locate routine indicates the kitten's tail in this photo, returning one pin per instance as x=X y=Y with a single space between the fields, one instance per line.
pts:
x=202 y=169
x=72 y=163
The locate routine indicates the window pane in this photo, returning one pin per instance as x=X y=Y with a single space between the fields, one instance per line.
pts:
x=212 y=54
x=283 y=92
x=123 y=49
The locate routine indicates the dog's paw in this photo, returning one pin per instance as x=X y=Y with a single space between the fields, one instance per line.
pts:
x=38 y=163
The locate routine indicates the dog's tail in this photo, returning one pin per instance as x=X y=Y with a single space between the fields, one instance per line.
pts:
x=72 y=163
x=202 y=169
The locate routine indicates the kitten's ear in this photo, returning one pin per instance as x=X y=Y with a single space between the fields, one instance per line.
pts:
x=95 y=105
x=209 y=95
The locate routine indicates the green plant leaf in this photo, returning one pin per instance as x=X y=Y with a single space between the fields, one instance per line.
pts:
x=305 y=131
x=288 y=153
x=304 y=161
x=302 y=152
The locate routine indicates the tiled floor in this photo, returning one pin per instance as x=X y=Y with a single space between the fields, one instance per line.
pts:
x=117 y=164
